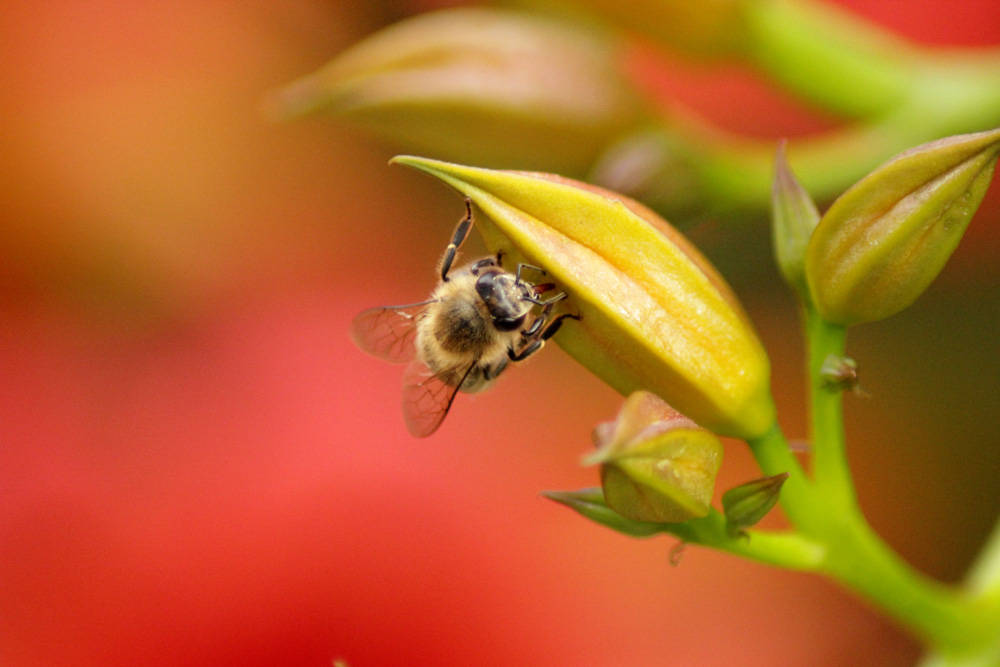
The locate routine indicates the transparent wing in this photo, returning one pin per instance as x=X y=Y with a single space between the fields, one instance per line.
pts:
x=427 y=398
x=387 y=332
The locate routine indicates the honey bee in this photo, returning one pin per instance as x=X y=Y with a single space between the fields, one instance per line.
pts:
x=478 y=320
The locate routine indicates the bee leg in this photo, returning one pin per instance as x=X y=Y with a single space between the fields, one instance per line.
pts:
x=538 y=340
x=476 y=267
x=546 y=304
x=543 y=316
x=461 y=232
x=491 y=373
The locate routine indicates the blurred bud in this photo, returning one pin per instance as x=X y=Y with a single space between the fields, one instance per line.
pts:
x=883 y=241
x=661 y=165
x=590 y=504
x=841 y=374
x=656 y=464
x=654 y=314
x=479 y=85
x=703 y=28
x=747 y=504
x=793 y=219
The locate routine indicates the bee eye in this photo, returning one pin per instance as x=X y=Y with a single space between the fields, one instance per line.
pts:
x=508 y=323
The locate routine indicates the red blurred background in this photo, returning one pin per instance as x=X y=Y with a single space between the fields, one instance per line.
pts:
x=196 y=466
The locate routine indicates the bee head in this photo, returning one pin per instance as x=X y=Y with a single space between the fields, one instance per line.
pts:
x=508 y=299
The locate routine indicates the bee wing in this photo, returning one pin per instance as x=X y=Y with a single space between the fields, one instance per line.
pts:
x=387 y=332
x=426 y=398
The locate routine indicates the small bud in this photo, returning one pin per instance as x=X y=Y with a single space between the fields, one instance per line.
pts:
x=748 y=503
x=656 y=464
x=653 y=312
x=793 y=219
x=590 y=504
x=482 y=85
x=841 y=374
x=885 y=240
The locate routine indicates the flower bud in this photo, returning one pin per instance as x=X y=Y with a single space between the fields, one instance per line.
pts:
x=793 y=219
x=840 y=373
x=490 y=86
x=656 y=464
x=654 y=314
x=747 y=504
x=883 y=241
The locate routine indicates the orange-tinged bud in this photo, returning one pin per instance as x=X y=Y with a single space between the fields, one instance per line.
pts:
x=656 y=464
x=654 y=314
x=884 y=241
x=504 y=88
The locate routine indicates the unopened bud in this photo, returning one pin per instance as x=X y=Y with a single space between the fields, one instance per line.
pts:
x=654 y=314
x=884 y=241
x=841 y=374
x=747 y=504
x=490 y=86
x=656 y=464
x=793 y=219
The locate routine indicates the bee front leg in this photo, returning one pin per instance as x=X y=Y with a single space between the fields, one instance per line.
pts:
x=461 y=233
x=537 y=340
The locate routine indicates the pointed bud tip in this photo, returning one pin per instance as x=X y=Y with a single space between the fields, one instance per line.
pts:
x=746 y=504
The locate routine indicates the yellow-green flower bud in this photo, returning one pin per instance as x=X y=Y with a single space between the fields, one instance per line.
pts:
x=793 y=219
x=656 y=464
x=654 y=314
x=495 y=87
x=884 y=241
x=747 y=504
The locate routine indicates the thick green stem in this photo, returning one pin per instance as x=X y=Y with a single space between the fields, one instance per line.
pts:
x=788 y=550
x=831 y=472
x=829 y=56
x=728 y=176
x=940 y=616
x=774 y=457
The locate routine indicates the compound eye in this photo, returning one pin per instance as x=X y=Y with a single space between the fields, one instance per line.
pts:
x=508 y=323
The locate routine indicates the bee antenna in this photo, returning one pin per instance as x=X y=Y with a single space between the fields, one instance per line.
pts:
x=517 y=276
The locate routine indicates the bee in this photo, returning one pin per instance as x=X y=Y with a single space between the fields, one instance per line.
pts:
x=478 y=320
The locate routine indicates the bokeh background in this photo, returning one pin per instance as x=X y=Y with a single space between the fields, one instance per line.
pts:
x=196 y=466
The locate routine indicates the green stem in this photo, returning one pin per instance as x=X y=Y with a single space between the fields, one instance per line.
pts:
x=940 y=616
x=831 y=472
x=788 y=550
x=855 y=556
x=697 y=171
x=774 y=457
x=829 y=56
